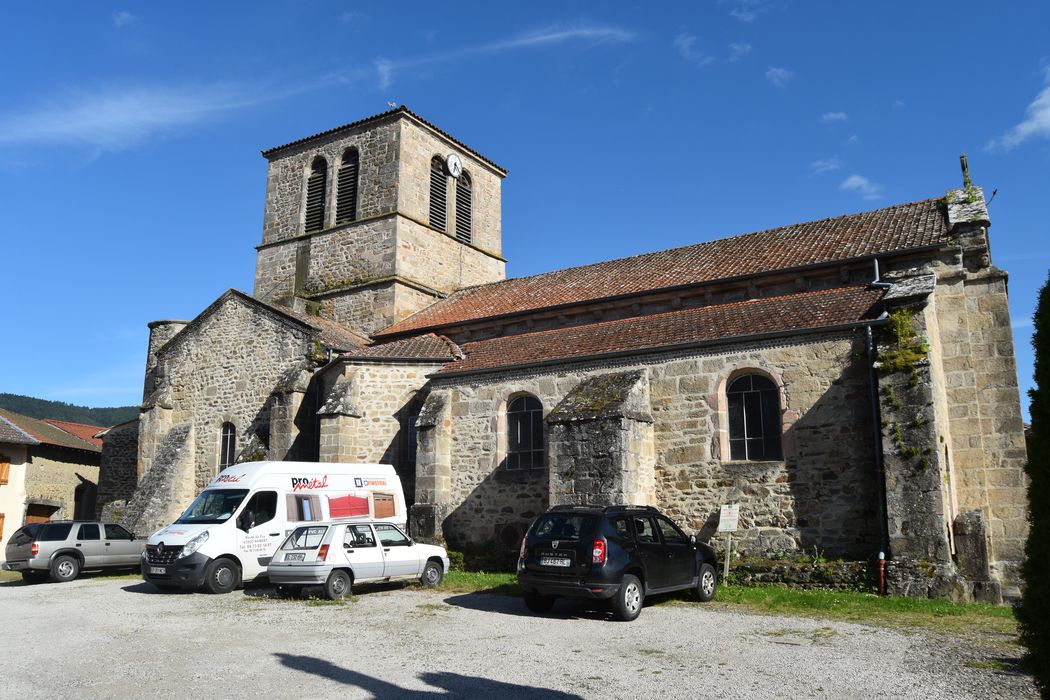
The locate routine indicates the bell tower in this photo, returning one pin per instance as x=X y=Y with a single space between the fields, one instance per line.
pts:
x=372 y=221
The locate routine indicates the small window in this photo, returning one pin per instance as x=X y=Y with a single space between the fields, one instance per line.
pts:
x=670 y=532
x=346 y=192
x=622 y=528
x=304 y=508
x=525 y=433
x=261 y=508
x=315 y=192
x=116 y=532
x=359 y=536
x=5 y=472
x=643 y=530
x=464 y=208
x=390 y=536
x=438 y=195
x=754 y=418
x=88 y=532
x=54 y=533
x=227 y=446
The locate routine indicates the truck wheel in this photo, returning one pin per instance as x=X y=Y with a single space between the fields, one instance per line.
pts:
x=221 y=576
x=627 y=603
x=706 y=583
x=337 y=586
x=432 y=574
x=64 y=568
x=538 y=603
x=32 y=576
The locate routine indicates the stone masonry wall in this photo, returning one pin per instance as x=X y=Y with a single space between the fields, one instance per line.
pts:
x=823 y=494
x=440 y=261
x=53 y=474
x=223 y=370
x=118 y=475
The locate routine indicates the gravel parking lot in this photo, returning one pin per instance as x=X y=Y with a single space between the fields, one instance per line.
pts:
x=119 y=638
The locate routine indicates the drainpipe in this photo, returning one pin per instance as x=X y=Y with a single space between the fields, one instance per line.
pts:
x=876 y=430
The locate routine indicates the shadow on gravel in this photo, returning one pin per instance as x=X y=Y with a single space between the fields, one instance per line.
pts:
x=447 y=685
x=267 y=590
x=564 y=608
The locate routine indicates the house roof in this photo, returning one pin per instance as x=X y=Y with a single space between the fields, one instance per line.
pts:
x=894 y=229
x=80 y=430
x=379 y=117
x=11 y=434
x=49 y=434
x=420 y=347
x=722 y=323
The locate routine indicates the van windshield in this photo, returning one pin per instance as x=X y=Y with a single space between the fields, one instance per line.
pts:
x=213 y=506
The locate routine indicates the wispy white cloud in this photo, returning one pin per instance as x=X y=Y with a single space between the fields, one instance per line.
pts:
x=853 y=140
x=748 y=10
x=863 y=186
x=551 y=36
x=738 y=51
x=124 y=18
x=829 y=117
x=825 y=165
x=685 y=45
x=780 y=77
x=116 y=119
x=1035 y=125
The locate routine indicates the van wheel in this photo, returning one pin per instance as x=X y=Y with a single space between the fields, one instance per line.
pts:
x=34 y=576
x=706 y=583
x=627 y=603
x=221 y=576
x=432 y=574
x=538 y=603
x=64 y=568
x=337 y=586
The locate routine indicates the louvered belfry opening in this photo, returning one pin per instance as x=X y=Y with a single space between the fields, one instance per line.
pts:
x=464 y=210
x=438 y=195
x=346 y=197
x=315 y=186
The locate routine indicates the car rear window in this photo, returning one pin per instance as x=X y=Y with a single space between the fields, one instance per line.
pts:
x=54 y=533
x=306 y=537
x=564 y=526
x=26 y=534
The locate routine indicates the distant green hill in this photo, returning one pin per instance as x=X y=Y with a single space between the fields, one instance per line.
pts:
x=59 y=410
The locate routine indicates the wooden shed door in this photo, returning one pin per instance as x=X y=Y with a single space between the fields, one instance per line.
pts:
x=384 y=505
x=39 y=513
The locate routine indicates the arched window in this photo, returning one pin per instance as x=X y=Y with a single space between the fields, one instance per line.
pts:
x=464 y=208
x=228 y=445
x=346 y=194
x=525 y=433
x=315 y=187
x=438 y=194
x=754 y=418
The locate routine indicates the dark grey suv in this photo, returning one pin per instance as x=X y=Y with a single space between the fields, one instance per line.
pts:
x=62 y=549
x=616 y=553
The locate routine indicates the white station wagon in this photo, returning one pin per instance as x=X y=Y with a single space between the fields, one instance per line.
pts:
x=338 y=554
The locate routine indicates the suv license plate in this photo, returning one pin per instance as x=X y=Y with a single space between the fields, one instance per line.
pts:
x=553 y=561
x=159 y=570
x=295 y=556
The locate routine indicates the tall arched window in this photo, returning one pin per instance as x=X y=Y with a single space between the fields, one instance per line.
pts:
x=464 y=208
x=525 y=433
x=754 y=418
x=346 y=184
x=227 y=445
x=315 y=190
x=438 y=194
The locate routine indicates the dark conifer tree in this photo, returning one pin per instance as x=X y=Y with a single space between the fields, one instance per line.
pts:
x=1034 y=609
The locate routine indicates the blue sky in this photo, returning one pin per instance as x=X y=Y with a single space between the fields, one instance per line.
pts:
x=132 y=185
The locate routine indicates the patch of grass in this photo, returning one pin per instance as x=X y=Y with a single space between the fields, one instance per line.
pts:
x=651 y=652
x=324 y=602
x=937 y=615
x=432 y=609
x=10 y=576
x=989 y=664
x=480 y=582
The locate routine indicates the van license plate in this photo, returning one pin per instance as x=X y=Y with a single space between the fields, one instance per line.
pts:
x=159 y=570
x=295 y=556
x=553 y=561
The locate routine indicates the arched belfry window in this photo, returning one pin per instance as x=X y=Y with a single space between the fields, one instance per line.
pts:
x=438 y=194
x=315 y=190
x=346 y=187
x=525 y=433
x=754 y=418
x=227 y=445
x=464 y=208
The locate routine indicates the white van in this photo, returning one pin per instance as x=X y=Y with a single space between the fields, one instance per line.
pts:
x=231 y=530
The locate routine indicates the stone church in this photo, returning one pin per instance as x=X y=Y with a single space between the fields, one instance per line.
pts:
x=849 y=382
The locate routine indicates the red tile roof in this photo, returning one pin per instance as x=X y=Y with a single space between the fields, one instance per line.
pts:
x=420 y=347
x=894 y=229
x=807 y=310
x=50 y=434
x=80 y=430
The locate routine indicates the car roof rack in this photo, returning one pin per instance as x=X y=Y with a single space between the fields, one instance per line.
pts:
x=615 y=509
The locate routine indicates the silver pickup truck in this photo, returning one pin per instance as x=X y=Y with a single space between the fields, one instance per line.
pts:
x=62 y=549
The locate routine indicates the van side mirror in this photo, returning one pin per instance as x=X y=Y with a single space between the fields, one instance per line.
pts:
x=692 y=540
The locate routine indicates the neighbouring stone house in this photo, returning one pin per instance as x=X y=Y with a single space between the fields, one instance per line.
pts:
x=850 y=382
x=48 y=470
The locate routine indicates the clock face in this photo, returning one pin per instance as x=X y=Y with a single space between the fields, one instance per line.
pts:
x=455 y=167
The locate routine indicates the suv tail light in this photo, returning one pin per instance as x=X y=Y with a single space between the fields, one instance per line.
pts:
x=322 y=553
x=35 y=549
x=598 y=552
x=521 y=554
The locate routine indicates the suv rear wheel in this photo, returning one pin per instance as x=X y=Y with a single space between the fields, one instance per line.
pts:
x=538 y=603
x=64 y=568
x=706 y=583
x=627 y=603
